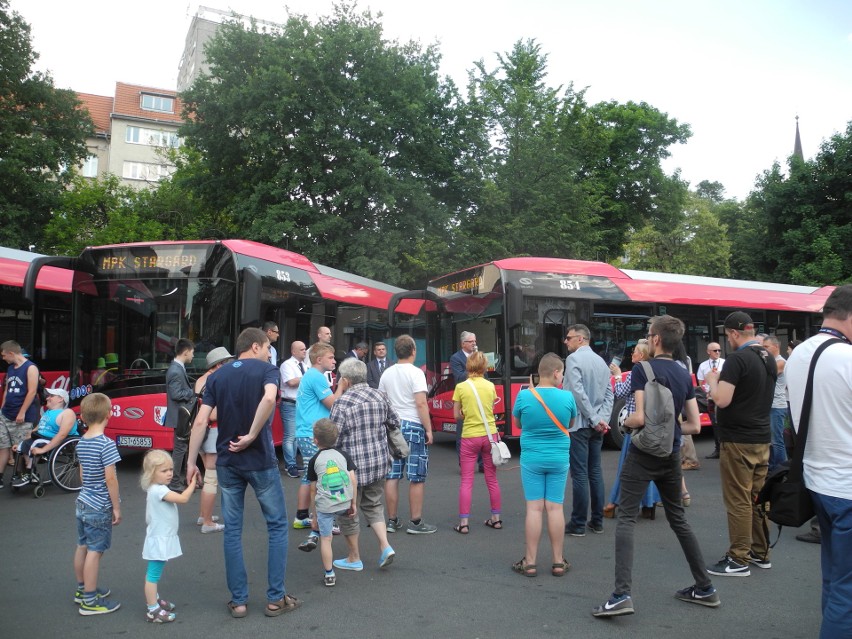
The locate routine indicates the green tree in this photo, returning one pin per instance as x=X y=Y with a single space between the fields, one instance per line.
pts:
x=333 y=140
x=42 y=133
x=696 y=245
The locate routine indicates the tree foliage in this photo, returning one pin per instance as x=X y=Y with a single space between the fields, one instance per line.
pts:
x=42 y=133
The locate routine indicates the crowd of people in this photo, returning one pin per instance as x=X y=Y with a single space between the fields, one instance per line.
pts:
x=349 y=476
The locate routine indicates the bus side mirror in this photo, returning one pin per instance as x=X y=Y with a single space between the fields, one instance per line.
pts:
x=252 y=286
x=514 y=305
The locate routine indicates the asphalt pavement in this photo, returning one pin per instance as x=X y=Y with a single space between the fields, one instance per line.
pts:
x=439 y=585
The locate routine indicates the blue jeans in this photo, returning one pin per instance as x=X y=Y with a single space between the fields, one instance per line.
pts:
x=835 y=525
x=586 y=477
x=288 y=422
x=270 y=495
x=777 y=452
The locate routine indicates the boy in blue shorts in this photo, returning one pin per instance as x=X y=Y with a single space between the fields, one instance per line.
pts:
x=333 y=490
x=98 y=505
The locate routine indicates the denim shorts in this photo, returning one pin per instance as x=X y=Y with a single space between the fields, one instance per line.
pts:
x=416 y=465
x=308 y=449
x=94 y=527
x=326 y=520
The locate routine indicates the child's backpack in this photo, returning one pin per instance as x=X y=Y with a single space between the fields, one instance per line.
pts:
x=657 y=436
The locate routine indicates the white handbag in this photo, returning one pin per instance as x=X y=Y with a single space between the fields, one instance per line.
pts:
x=500 y=454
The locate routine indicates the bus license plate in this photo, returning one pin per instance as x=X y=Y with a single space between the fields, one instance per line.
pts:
x=134 y=442
x=449 y=427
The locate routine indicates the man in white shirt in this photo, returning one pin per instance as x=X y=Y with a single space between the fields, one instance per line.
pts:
x=714 y=362
x=292 y=370
x=778 y=412
x=272 y=332
x=828 y=453
x=405 y=385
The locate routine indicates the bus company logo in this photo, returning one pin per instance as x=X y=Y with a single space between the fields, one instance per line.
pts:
x=134 y=413
x=525 y=282
x=160 y=415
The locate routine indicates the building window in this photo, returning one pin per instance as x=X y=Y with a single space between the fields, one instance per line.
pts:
x=90 y=167
x=145 y=171
x=158 y=103
x=151 y=137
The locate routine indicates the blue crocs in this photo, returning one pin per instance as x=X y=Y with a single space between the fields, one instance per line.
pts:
x=387 y=557
x=344 y=564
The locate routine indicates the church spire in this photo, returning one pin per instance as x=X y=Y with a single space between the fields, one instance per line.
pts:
x=797 y=146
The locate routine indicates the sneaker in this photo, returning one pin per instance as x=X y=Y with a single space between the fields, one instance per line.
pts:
x=100 y=593
x=212 y=529
x=1 y=481
x=728 y=567
x=310 y=543
x=301 y=524
x=393 y=525
x=99 y=606
x=200 y=520
x=335 y=529
x=759 y=562
x=708 y=597
x=575 y=532
x=420 y=529
x=345 y=564
x=293 y=472
x=615 y=606
x=387 y=557
x=810 y=537
x=19 y=481
x=596 y=528
x=330 y=580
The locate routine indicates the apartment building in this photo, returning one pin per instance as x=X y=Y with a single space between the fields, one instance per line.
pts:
x=134 y=130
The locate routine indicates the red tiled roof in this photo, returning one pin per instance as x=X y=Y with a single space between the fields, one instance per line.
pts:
x=99 y=108
x=128 y=102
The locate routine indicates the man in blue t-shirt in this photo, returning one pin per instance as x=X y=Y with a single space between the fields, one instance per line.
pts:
x=313 y=402
x=639 y=468
x=243 y=394
x=21 y=409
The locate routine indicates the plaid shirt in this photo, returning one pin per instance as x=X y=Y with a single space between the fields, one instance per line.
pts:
x=622 y=389
x=362 y=414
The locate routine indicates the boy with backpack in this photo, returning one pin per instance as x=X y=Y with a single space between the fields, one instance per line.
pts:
x=660 y=464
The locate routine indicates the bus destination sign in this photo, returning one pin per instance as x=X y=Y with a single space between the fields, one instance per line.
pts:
x=150 y=260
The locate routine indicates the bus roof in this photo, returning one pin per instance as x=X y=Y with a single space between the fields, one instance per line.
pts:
x=671 y=288
x=13 y=268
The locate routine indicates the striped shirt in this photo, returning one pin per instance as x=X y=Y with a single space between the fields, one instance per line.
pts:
x=95 y=454
x=362 y=415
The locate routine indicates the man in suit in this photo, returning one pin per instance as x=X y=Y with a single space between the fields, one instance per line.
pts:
x=378 y=365
x=179 y=393
x=458 y=368
x=359 y=352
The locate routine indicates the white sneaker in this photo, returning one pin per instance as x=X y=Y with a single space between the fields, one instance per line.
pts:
x=212 y=529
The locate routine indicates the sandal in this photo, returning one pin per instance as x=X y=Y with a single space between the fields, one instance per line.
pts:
x=685 y=500
x=160 y=615
x=523 y=568
x=462 y=529
x=559 y=570
x=275 y=608
x=496 y=525
x=237 y=614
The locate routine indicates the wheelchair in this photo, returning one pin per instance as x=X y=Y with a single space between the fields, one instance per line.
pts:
x=60 y=467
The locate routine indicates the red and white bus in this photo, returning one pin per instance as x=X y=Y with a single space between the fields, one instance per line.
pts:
x=132 y=302
x=44 y=333
x=520 y=308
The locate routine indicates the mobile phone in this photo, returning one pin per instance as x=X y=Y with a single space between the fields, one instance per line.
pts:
x=617 y=360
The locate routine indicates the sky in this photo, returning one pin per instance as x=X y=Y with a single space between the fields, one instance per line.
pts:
x=737 y=71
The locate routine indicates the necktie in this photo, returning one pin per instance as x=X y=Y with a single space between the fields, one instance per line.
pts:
x=301 y=368
x=381 y=366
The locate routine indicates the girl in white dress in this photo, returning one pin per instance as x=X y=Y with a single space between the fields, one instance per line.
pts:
x=161 y=536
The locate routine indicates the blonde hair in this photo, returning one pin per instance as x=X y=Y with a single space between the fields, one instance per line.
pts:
x=319 y=350
x=95 y=408
x=476 y=364
x=153 y=460
x=643 y=348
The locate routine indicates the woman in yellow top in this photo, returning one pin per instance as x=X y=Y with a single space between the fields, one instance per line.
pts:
x=475 y=439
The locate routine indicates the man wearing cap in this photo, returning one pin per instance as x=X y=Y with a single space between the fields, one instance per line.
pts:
x=20 y=409
x=714 y=361
x=743 y=394
x=57 y=423
x=179 y=393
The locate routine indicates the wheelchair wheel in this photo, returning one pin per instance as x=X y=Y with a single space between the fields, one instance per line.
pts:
x=65 y=467
x=38 y=492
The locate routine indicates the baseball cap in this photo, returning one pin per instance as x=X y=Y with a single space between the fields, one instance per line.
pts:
x=218 y=354
x=59 y=392
x=739 y=321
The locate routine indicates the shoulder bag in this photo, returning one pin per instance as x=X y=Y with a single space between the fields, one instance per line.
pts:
x=549 y=412
x=499 y=451
x=784 y=499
